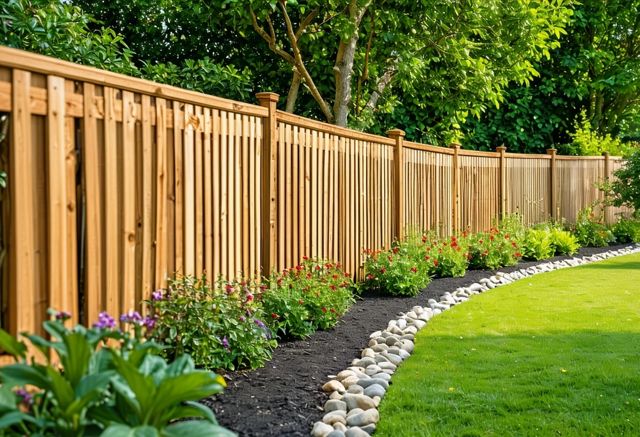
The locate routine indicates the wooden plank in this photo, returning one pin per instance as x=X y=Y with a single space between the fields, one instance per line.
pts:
x=231 y=198
x=295 y=205
x=281 y=178
x=208 y=186
x=71 y=295
x=199 y=194
x=148 y=183
x=127 y=194
x=160 y=234
x=254 y=262
x=178 y=160
x=57 y=257
x=313 y=210
x=22 y=238
x=217 y=189
x=189 y=191
x=94 y=210
x=245 y=196
x=43 y=64
x=399 y=193
x=238 y=198
x=111 y=162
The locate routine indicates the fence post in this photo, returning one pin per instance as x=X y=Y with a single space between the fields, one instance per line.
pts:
x=398 y=183
x=607 y=169
x=455 y=186
x=553 y=201
x=269 y=182
x=502 y=194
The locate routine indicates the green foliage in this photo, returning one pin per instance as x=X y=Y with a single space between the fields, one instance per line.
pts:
x=563 y=242
x=399 y=271
x=446 y=257
x=626 y=231
x=590 y=229
x=595 y=69
x=586 y=142
x=219 y=328
x=106 y=381
x=312 y=295
x=493 y=249
x=626 y=185
x=62 y=30
x=538 y=244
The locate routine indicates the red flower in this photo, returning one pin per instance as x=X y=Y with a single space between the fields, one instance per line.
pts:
x=333 y=287
x=347 y=275
x=435 y=262
x=298 y=267
x=332 y=310
x=305 y=258
x=370 y=277
x=491 y=237
x=328 y=266
x=300 y=301
x=414 y=269
x=249 y=297
x=382 y=270
x=274 y=316
x=518 y=254
x=229 y=288
x=335 y=276
x=396 y=249
x=424 y=238
x=324 y=310
x=317 y=268
x=427 y=257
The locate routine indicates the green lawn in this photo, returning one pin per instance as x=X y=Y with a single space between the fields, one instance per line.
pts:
x=554 y=354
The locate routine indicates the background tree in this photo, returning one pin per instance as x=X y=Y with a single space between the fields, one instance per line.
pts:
x=596 y=69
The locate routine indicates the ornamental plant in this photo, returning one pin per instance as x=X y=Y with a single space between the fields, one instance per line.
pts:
x=493 y=249
x=446 y=257
x=102 y=381
x=590 y=229
x=563 y=242
x=220 y=327
x=538 y=244
x=626 y=231
x=399 y=271
x=312 y=295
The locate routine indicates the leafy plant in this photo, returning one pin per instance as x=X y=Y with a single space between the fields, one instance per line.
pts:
x=312 y=295
x=626 y=231
x=219 y=327
x=563 y=242
x=446 y=257
x=399 y=271
x=538 y=244
x=626 y=184
x=590 y=229
x=493 y=249
x=100 y=380
x=587 y=142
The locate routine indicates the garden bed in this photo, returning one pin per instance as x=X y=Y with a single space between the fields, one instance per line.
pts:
x=284 y=397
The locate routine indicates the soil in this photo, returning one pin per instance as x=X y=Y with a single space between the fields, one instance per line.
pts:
x=284 y=398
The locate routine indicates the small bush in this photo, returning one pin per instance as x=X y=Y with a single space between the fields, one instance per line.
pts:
x=399 y=271
x=312 y=295
x=221 y=328
x=563 y=242
x=104 y=382
x=590 y=230
x=626 y=231
x=538 y=244
x=446 y=257
x=493 y=249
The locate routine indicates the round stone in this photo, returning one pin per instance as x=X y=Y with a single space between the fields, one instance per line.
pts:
x=334 y=417
x=374 y=390
x=365 y=418
x=321 y=429
x=333 y=386
x=335 y=405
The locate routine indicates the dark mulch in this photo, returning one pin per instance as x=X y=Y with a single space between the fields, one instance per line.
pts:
x=284 y=397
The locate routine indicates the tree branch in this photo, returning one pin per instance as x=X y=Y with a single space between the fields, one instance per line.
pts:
x=270 y=39
x=381 y=85
x=292 y=96
x=305 y=22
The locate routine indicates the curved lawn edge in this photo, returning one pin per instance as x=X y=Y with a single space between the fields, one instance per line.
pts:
x=357 y=391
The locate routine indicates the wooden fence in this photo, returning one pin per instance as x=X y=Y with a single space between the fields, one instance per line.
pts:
x=117 y=183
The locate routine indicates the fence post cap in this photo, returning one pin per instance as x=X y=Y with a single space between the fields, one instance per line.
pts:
x=605 y=154
x=455 y=145
x=501 y=148
x=552 y=151
x=395 y=133
x=268 y=97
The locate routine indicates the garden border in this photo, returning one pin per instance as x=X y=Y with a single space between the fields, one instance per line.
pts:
x=356 y=392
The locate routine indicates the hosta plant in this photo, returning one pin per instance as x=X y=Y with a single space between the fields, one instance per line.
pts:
x=309 y=296
x=102 y=381
x=538 y=244
x=563 y=242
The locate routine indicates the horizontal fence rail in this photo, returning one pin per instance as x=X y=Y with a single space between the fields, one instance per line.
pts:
x=117 y=184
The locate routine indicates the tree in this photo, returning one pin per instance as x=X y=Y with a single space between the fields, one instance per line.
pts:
x=626 y=185
x=595 y=69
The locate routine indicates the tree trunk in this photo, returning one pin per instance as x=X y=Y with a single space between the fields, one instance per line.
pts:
x=293 y=92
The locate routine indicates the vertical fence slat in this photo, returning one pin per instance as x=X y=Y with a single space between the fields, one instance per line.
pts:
x=189 y=191
x=148 y=186
x=160 y=233
x=128 y=199
x=111 y=163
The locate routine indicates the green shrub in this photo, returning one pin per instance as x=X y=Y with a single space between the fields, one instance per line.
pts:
x=590 y=230
x=626 y=231
x=399 y=271
x=219 y=328
x=312 y=295
x=538 y=244
x=493 y=249
x=563 y=242
x=107 y=382
x=446 y=257
x=626 y=184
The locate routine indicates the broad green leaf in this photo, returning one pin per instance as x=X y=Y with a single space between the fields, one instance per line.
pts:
x=119 y=430
x=11 y=345
x=196 y=428
x=76 y=362
x=14 y=418
x=23 y=374
x=61 y=388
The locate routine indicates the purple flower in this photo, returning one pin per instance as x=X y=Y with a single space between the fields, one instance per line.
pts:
x=157 y=295
x=63 y=315
x=105 y=321
x=131 y=317
x=149 y=322
x=260 y=323
x=26 y=398
x=242 y=319
x=225 y=342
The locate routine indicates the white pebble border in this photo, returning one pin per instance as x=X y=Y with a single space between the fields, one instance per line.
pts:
x=356 y=392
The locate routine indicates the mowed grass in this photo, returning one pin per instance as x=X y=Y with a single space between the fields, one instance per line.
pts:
x=555 y=354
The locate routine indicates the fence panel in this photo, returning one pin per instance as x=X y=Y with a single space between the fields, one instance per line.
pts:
x=478 y=190
x=528 y=187
x=576 y=184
